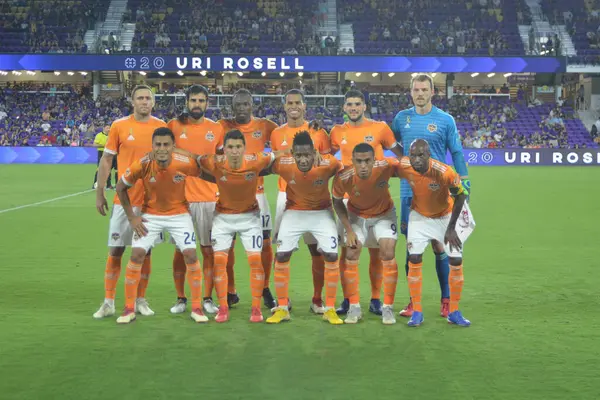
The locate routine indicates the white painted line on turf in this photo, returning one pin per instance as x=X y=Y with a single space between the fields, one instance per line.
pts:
x=39 y=203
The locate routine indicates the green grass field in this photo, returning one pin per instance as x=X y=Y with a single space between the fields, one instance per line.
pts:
x=531 y=290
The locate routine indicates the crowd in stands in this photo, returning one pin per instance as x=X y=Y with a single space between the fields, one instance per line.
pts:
x=73 y=118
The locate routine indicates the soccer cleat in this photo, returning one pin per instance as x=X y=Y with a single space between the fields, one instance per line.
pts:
x=289 y=306
x=387 y=315
x=343 y=307
x=256 y=315
x=198 y=316
x=209 y=306
x=354 y=315
x=375 y=306
x=407 y=311
x=317 y=306
x=105 y=310
x=280 y=315
x=332 y=317
x=232 y=299
x=268 y=299
x=416 y=319
x=445 y=308
x=142 y=307
x=456 y=318
x=222 y=315
x=180 y=306
x=127 y=317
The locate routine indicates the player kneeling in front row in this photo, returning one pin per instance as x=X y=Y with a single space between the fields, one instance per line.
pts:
x=434 y=214
x=307 y=211
x=164 y=209
x=369 y=218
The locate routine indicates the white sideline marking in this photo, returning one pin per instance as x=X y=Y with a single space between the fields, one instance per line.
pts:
x=46 y=201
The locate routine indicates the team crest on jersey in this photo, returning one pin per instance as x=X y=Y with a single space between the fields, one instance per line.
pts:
x=210 y=136
x=432 y=127
x=115 y=236
x=178 y=178
x=319 y=182
x=250 y=176
x=369 y=139
x=257 y=135
x=434 y=186
x=382 y=184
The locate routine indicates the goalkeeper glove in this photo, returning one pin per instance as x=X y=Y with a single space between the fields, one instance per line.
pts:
x=467 y=185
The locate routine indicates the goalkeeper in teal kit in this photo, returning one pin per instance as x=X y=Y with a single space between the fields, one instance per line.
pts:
x=425 y=121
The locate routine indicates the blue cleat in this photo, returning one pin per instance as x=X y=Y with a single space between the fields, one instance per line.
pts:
x=417 y=319
x=343 y=310
x=375 y=306
x=456 y=318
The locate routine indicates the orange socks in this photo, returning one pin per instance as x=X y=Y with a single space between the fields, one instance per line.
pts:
x=257 y=277
x=144 y=277
x=194 y=277
x=267 y=260
x=111 y=276
x=415 y=283
x=351 y=282
x=132 y=280
x=230 y=274
x=282 y=280
x=375 y=273
x=342 y=269
x=332 y=276
x=179 y=273
x=390 y=281
x=207 y=269
x=318 y=275
x=220 y=277
x=456 y=279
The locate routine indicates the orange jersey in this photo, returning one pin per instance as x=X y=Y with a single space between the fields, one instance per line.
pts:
x=282 y=138
x=307 y=191
x=376 y=133
x=237 y=188
x=164 y=189
x=369 y=197
x=130 y=140
x=257 y=133
x=431 y=190
x=202 y=139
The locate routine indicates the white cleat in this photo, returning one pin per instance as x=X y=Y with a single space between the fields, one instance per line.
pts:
x=127 y=317
x=142 y=307
x=209 y=306
x=198 y=316
x=354 y=315
x=179 y=307
x=387 y=315
x=317 y=309
x=105 y=310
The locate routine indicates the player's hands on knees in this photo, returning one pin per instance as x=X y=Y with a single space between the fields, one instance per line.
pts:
x=452 y=237
x=137 y=223
x=101 y=203
x=351 y=239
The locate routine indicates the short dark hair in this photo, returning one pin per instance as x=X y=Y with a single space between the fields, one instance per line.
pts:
x=141 y=87
x=241 y=92
x=234 y=134
x=163 y=132
x=302 y=138
x=291 y=92
x=354 y=93
x=196 y=89
x=363 y=148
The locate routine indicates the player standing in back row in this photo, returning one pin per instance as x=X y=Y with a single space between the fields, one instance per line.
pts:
x=129 y=139
x=425 y=121
x=257 y=133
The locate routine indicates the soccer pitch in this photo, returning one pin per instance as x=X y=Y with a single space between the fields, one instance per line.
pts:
x=531 y=290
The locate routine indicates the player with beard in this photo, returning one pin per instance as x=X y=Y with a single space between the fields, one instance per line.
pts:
x=197 y=134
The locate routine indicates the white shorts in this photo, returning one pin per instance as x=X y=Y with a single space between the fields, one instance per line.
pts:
x=120 y=233
x=370 y=244
x=180 y=227
x=265 y=211
x=422 y=230
x=370 y=230
x=281 y=201
x=202 y=214
x=247 y=225
x=320 y=224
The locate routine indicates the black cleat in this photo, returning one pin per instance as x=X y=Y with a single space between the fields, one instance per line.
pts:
x=268 y=298
x=232 y=299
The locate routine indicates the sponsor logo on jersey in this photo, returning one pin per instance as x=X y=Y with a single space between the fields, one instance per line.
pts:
x=434 y=186
x=210 y=136
x=178 y=178
x=432 y=127
x=257 y=135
